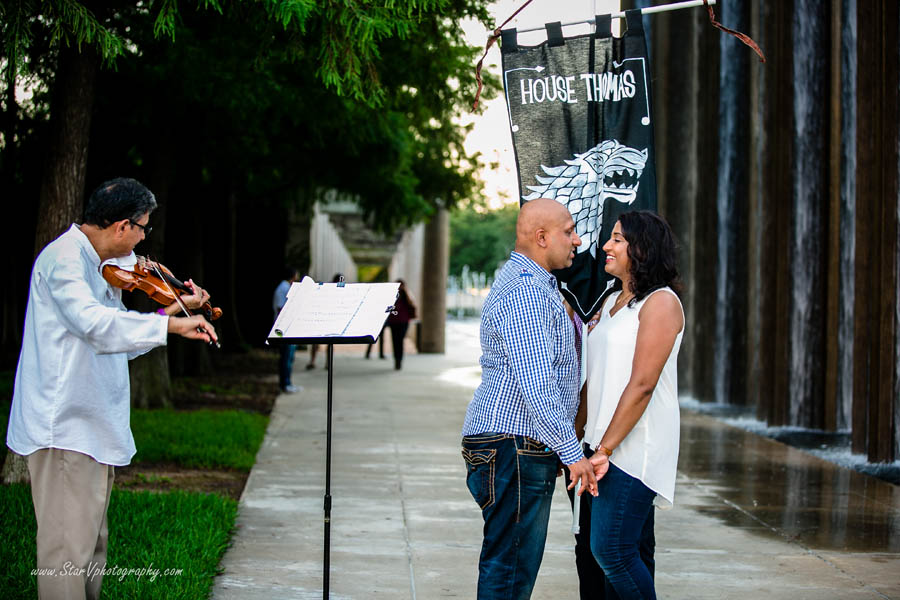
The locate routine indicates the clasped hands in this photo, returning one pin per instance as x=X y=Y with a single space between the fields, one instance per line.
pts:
x=588 y=471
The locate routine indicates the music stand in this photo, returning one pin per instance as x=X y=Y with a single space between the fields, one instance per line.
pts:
x=332 y=313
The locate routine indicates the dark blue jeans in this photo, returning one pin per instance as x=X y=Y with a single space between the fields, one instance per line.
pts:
x=619 y=515
x=511 y=478
x=285 y=364
x=592 y=583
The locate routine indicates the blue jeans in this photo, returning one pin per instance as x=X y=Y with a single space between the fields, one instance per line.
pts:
x=619 y=516
x=285 y=364
x=511 y=477
x=592 y=582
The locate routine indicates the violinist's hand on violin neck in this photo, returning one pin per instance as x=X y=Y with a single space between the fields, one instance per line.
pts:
x=194 y=327
x=198 y=298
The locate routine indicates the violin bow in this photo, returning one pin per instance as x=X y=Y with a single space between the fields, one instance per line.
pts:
x=181 y=305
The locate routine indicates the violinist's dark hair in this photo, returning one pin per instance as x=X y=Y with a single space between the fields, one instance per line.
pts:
x=290 y=273
x=651 y=249
x=116 y=200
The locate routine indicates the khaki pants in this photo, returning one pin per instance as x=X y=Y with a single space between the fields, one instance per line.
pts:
x=71 y=493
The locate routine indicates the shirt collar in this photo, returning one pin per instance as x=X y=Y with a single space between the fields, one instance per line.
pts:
x=125 y=262
x=527 y=265
x=83 y=241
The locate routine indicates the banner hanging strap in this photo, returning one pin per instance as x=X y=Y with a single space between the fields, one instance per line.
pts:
x=490 y=42
x=554 y=34
x=603 y=28
x=743 y=37
x=509 y=40
x=634 y=21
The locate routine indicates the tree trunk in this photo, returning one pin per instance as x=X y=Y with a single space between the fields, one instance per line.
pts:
x=62 y=190
x=11 y=324
x=185 y=257
x=230 y=291
x=15 y=469
x=151 y=384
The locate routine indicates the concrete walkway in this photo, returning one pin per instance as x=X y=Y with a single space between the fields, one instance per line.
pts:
x=753 y=518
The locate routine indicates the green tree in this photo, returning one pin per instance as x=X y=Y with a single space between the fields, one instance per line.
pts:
x=237 y=122
x=481 y=239
x=252 y=109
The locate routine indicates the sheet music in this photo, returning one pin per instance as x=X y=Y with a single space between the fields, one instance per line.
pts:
x=316 y=310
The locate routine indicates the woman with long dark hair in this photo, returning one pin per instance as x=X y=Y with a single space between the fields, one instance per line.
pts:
x=632 y=398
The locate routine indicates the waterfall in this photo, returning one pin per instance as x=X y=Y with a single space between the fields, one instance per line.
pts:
x=731 y=90
x=809 y=194
x=896 y=410
x=847 y=249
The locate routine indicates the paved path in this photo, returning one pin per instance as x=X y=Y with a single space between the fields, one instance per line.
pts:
x=754 y=519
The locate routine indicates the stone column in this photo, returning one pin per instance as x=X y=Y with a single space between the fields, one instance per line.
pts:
x=685 y=59
x=775 y=159
x=875 y=327
x=435 y=266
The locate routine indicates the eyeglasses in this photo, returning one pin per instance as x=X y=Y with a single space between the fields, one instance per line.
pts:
x=147 y=228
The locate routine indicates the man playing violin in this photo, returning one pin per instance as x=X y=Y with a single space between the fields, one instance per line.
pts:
x=71 y=402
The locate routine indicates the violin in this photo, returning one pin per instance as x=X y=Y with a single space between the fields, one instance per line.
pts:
x=155 y=280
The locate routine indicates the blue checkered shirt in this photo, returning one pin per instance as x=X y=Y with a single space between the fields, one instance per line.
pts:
x=529 y=370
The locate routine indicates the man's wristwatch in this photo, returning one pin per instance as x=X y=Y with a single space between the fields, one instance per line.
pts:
x=604 y=450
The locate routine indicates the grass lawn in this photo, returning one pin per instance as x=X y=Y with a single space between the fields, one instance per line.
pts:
x=201 y=438
x=166 y=542
x=160 y=545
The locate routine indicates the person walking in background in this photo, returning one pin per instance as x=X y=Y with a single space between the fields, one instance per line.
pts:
x=286 y=351
x=404 y=311
x=71 y=405
x=632 y=399
x=519 y=424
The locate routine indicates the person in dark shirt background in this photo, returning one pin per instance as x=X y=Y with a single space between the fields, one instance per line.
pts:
x=398 y=321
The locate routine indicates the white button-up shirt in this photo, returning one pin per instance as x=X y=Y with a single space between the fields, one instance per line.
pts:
x=72 y=389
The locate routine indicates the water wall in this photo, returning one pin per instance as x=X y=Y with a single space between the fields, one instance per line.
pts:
x=781 y=182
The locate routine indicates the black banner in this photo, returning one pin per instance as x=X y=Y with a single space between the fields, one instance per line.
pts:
x=579 y=110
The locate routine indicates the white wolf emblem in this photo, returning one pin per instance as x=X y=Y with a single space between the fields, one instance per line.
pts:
x=608 y=170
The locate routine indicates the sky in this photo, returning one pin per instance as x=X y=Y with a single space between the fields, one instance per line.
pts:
x=490 y=134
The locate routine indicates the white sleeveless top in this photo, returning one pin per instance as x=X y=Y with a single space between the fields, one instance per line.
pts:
x=650 y=451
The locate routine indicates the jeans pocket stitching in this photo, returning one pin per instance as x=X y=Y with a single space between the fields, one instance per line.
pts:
x=538 y=453
x=533 y=445
x=484 y=456
x=484 y=438
x=479 y=456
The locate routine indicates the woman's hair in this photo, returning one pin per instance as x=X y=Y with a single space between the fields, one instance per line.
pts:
x=651 y=249
x=117 y=200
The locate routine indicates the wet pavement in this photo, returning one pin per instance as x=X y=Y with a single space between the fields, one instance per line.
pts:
x=767 y=484
x=753 y=517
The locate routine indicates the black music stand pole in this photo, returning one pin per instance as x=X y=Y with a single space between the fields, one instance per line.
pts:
x=329 y=363
x=319 y=311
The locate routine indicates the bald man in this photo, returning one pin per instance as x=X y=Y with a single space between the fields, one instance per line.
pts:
x=519 y=425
